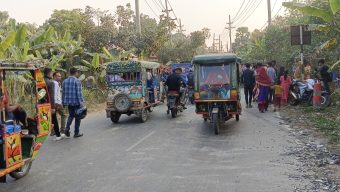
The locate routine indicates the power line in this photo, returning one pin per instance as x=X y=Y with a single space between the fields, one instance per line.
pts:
x=160 y=2
x=245 y=10
x=159 y=7
x=239 y=10
x=250 y=13
x=274 y=5
x=273 y=17
x=174 y=13
x=151 y=8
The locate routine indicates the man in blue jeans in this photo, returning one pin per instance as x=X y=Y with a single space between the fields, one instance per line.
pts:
x=73 y=99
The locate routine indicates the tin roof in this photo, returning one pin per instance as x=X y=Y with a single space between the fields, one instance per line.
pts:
x=215 y=58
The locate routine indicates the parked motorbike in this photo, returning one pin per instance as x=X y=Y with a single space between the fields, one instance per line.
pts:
x=300 y=92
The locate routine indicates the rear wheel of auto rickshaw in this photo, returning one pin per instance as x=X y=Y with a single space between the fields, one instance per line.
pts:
x=216 y=123
x=237 y=117
x=173 y=112
x=21 y=172
x=144 y=115
x=115 y=117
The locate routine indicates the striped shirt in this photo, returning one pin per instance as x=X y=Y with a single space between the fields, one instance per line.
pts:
x=72 y=92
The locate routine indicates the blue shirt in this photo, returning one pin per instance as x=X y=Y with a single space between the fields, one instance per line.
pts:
x=72 y=94
x=271 y=73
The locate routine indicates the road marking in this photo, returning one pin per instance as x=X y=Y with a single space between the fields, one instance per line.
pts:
x=140 y=141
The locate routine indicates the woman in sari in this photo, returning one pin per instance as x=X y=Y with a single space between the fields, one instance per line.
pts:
x=263 y=82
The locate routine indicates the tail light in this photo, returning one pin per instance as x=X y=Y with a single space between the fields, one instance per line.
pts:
x=233 y=94
x=197 y=95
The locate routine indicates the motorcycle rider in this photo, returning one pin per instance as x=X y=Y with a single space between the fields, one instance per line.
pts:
x=174 y=82
x=190 y=78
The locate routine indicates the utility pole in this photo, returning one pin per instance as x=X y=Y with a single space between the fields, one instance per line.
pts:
x=138 y=26
x=215 y=47
x=269 y=13
x=180 y=30
x=230 y=28
x=167 y=11
x=219 y=43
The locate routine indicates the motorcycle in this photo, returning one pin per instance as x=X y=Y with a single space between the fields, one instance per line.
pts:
x=300 y=92
x=174 y=103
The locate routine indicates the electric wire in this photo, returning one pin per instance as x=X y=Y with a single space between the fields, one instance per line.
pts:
x=159 y=8
x=245 y=10
x=151 y=8
x=252 y=12
x=238 y=11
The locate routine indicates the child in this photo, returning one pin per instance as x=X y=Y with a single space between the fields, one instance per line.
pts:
x=278 y=90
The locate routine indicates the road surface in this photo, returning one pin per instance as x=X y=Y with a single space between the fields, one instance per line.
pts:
x=167 y=155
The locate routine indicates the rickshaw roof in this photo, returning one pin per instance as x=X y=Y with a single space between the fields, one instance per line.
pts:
x=19 y=66
x=215 y=59
x=130 y=66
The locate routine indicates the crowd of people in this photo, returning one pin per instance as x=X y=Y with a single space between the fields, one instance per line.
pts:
x=267 y=84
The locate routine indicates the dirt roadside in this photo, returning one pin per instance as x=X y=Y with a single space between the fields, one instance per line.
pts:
x=317 y=149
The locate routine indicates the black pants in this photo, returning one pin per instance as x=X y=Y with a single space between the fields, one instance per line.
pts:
x=55 y=124
x=270 y=95
x=248 y=93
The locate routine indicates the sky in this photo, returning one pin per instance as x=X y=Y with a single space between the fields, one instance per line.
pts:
x=194 y=14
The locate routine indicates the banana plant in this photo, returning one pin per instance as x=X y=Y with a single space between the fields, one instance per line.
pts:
x=6 y=44
x=330 y=16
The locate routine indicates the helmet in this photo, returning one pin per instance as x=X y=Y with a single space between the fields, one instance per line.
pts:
x=81 y=113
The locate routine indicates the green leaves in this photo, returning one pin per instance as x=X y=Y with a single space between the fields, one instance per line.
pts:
x=6 y=43
x=335 y=6
x=326 y=15
x=21 y=35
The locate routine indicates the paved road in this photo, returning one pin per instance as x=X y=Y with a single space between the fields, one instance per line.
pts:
x=166 y=155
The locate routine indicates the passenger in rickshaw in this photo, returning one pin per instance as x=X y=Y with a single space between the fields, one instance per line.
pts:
x=150 y=86
x=175 y=83
x=217 y=83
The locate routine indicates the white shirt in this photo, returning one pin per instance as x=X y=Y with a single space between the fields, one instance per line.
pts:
x=57 y=93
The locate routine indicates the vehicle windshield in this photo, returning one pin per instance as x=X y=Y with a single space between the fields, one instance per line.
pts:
x=214 y=81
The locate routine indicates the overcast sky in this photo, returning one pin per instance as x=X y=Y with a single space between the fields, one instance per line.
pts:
x=194 y=14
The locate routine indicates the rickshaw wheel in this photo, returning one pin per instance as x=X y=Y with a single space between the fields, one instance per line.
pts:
x=115 y=117
x=205 y=119
x=237 y=117
x=173 y=112
x=144 y=115
x=22 y=172
x=216 y=124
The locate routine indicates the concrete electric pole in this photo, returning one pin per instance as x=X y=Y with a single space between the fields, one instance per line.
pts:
x=138 y=26
x=269 y=13
x=230 y=28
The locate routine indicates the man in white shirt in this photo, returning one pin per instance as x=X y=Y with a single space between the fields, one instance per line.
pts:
x=58 y=101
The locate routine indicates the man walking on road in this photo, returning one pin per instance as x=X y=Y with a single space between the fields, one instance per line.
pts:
x=73 y=99
x=248 y=78
x=60 y=109
x=50 y=86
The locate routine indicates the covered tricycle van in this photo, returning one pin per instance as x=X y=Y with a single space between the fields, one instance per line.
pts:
x=133 y=88
x=217 y=96
x=25 y=121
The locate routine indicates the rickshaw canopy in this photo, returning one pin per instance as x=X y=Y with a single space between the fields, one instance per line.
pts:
x=215 y=59
x=19 y=66
x=130 y=66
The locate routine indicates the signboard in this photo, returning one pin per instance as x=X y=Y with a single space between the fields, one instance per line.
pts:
x=296 y=35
